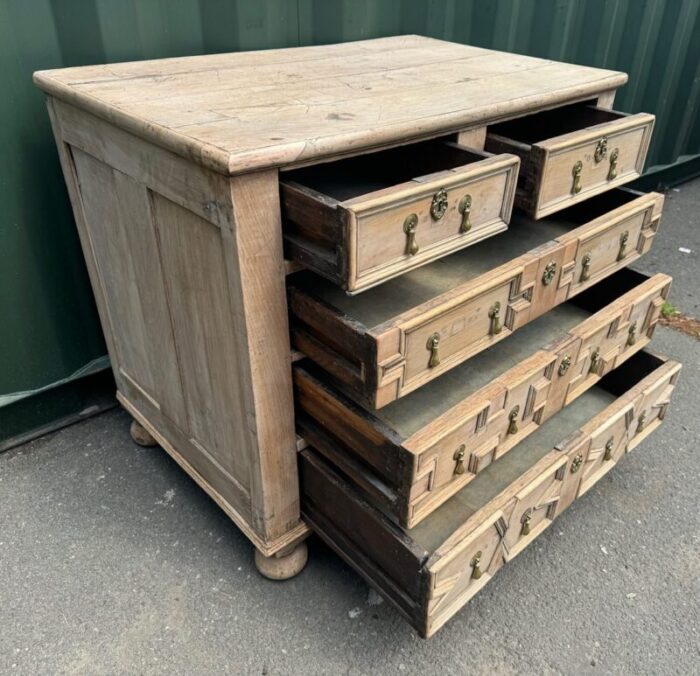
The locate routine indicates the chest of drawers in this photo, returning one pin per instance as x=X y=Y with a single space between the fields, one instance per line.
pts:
x=378 y=290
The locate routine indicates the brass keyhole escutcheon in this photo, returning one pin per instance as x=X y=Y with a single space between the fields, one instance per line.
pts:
x=513 y=420
x=409 y=227
x=624 y=238
x=526 y=520
x=586 y=267
x=612 y=172
x=439 y=205
x=609 y=449
x=595 y=359
x=432 y=345
x=495 y=326
x=641 y=421
x=564 y=366
x=475 y=563
x=549 y=271
x=576 y=173
x=465 y=208
x=458 y=457
x=632 y=334
x=576 y=463
x=601 y=150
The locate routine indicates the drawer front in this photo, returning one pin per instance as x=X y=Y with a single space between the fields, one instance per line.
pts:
x=572 y=167
x=446 y=335
x=490 y=423
x=613 y=335
x=609 y=243
x=405 y=228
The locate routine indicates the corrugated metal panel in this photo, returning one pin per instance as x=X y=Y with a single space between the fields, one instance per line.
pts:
x=50 y=328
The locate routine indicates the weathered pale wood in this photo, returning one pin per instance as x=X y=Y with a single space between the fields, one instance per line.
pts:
x=551 y=144
x=407 y=449
x=376 y=343
x=240 y=112
x=345 y=220
x=188 y=269
x=430 y=571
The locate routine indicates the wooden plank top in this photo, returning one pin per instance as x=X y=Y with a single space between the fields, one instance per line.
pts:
x=250 y=110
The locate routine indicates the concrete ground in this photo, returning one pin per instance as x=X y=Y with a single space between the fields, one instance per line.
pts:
x=113 y=561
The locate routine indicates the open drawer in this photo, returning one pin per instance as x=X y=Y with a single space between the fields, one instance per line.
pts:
x=411 y=456
x=384 y=343
x=429 y=572
x=571 y=153
x=363 y=220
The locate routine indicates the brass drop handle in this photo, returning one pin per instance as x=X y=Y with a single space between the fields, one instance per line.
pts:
x=595 y=360
x=458 y=457
x=564 y=365
x=432 y=345
x=495 y=326
x=612 y=172
x=475 y=563
x=609 y=449
x=576 y=173
x=549 y=271
x=641 y=421
x=576 y=463
x=513 y=420
x=409 y=227
x=465 y=207
x=526 y=521
x=632 y=334
x=624 y=238
x=586 y=267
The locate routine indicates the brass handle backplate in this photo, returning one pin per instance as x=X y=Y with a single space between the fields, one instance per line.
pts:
x=576 y=463
x=526 y=521
x=495 y=326
x=612 y=172
x=475 y=563
x=576 y=173
x=564 y=365
x=458 y=457
x=409 y=227
x=513 y=420
x=432 y=345
x=595 y=360
x=439 y=205
x=465 y=207
x=601 y=150
x=624 y=238
x=609 y=449
x=549 y=271
x=632 y=334
x=586 y=267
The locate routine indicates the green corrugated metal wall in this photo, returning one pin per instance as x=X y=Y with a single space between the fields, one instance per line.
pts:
x=49 y=327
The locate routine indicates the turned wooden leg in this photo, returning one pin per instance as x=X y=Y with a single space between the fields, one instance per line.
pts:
x=283 y=565
x=141 y=435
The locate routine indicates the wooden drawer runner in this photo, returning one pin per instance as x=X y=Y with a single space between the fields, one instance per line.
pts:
x=572 y=153
x=363 y=220
x=429 y=572
x=414 y=454
x=391 y=340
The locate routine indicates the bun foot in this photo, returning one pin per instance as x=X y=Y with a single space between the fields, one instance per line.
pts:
x=141 y=435
x=282 y=565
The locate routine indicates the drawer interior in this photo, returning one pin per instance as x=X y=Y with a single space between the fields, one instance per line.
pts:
x=383 y=303
x=408 y=415
x=547 y=124
x=356 y=176
x=439 y=525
